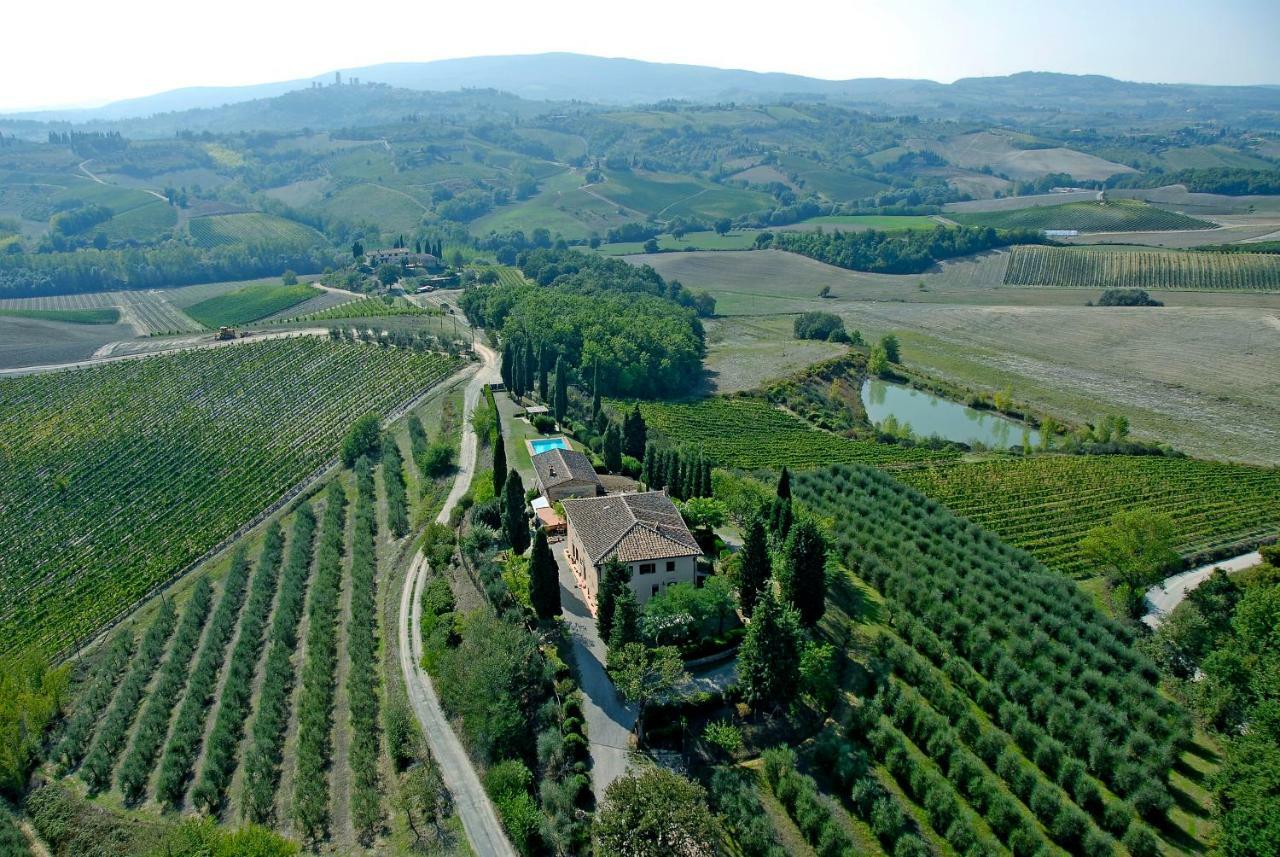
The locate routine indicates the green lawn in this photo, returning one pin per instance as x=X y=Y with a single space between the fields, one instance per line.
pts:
x=249 y=304
x=104 y=315
x=737 y=240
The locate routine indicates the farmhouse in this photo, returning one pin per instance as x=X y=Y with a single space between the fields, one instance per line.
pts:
x=643 y=531
x=566 y=473
x=401 y=256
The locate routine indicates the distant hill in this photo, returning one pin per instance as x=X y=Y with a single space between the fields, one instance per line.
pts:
x=570 y=77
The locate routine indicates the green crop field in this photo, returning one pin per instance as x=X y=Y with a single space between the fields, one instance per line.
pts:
x=104 y=315
x=884 y=223
x=750 y=433
x=561 y=205
x=112 y=479
x=1116 y=215
x=249 y=304
x=392 y=210
x=148 y=222
x=365 y=308
x=667 y=196
x=220 y=230
x=1046 y=504
x=1088 y=267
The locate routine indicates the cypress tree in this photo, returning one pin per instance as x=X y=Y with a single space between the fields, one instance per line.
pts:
x=595 y=393
x=542 y=374
x=692 y=476
x=754 y=573
x=673 y=474
x=544 y=578
x=499 y=463
x=530 y=367
x=784 y=484
x=513 y=521
x=634 y=433
x=614 y=578
x=780 y=517
x=769 y=660
x=804 y=581
x=650 y=472
x=626 y=620
x=561 y=404
x=707 y=490
x=613 y=449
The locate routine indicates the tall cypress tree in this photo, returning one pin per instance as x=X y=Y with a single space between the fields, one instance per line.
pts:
x=784 y=483
x=707 y=490
x=561 y=404
x=626 y=620
x=508 y=365
x=649 y=471
x=542 y=374
x=614 y=578
x=514 y=523
x=613 y=449
x=595 y=392
x=769 y=659
x=634 y=433
x=530 y=367
x=804 y=579
x=544 y=578
x=674 y=485
x=499 y=463
x=753 y=576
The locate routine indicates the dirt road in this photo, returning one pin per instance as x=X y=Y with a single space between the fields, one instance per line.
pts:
x=479 y=819
x=1163 y=597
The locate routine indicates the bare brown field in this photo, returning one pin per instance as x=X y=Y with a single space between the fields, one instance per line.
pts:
x=986 y=148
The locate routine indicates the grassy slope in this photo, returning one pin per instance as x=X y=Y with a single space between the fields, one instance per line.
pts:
x=1123 y=215
x=105 y=315
x=249 y=304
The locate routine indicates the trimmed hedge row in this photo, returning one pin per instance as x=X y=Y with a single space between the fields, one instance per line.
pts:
x=89 y=707
x=113 y=733
x=262 y=759
x=153 y=724
x=188 y=730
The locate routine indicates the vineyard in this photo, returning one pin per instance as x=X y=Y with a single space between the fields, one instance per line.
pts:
x=751 y=434
x=1117 y=215
x=250 y=304
x=220 y=230
x=112 y=479
x=1011 y=712
x=1046 y=504
x=1088 y=267
x=150 y=309
x=365 y=308
x=1042 y=504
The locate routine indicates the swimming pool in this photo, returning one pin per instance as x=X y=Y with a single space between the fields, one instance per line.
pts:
x=546 y=444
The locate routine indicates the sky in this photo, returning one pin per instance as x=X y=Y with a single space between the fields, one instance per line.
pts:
x=98 y=52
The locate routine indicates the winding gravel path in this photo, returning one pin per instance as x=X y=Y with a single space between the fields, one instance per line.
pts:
x=1168 y=594
x=479 y=819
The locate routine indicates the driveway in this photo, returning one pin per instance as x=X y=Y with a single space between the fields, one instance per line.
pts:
x=479 y=818
x=610 y=721
x=1164 y=596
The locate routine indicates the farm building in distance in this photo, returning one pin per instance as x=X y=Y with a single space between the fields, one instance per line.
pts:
x=401 y=256
x=643 y=531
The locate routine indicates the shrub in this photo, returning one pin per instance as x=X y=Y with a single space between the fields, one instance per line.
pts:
x=1141 y=842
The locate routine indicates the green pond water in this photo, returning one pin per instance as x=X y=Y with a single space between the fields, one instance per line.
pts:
x=929 y=415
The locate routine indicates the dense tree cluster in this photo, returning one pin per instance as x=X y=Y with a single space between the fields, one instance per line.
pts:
x=825 y=326
x=24 y=275
x=906 y=252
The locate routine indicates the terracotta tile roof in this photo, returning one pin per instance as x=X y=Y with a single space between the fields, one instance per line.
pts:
x=632 y=527
x=558 y=466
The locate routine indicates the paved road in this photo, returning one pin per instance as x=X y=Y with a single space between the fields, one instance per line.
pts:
x=609 y=720
x=1163 y=597
x=479 y=819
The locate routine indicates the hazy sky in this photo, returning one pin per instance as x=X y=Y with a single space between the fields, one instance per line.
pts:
x=82 y=53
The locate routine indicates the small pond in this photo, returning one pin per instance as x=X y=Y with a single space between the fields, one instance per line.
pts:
x=929 y=415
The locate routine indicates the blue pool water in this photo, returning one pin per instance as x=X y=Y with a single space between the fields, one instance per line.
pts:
x=548 y=443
